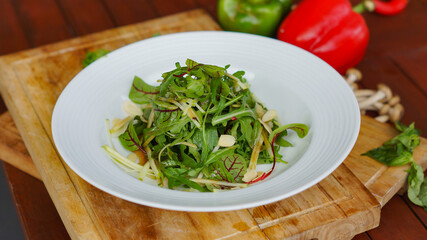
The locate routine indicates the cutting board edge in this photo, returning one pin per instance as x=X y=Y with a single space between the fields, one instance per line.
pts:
x=88 y=39
x=25 y=125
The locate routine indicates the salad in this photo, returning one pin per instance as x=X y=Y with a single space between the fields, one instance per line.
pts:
x=201 y=130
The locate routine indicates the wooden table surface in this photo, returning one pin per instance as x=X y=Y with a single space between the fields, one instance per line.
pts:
x=396 y=55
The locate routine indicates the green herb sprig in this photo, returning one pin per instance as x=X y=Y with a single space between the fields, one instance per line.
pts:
x=398 y=151
x=92 y=56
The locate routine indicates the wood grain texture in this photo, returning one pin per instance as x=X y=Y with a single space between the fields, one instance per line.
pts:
x=408 y=228
x=39 y=209
x=130 y=11
x=42 y=21
x=86 y=16
x=64 y=196
x=10 y=27
x=402 y=32
x=362 y=236
x=413 y=64
x=170 y=7
x=339 y=206
x=419 y=212
x=210 y=6
x=12 y=148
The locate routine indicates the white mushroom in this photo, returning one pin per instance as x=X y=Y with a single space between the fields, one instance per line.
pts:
x=384 y=109
x=384 y=92
x=382 y=118
x=373 y=107
x=364 y=92
x=354 y=86
x=378 y=105
x=394 y=100
x=353 y=75
x=396 y=112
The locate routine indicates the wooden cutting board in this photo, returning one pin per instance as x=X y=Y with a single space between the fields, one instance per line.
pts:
x=337 y=208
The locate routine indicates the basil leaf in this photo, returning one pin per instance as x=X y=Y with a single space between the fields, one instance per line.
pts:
x=423 y=194
x=175 y=179
x=390 y=155
x=415 y=180
x=398 y=150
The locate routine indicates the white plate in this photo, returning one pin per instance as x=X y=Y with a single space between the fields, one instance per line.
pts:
x=298 y=85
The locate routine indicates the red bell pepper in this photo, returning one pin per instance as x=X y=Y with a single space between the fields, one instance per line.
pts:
x=330 y=29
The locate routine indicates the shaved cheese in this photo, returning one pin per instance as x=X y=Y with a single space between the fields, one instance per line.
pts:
x=132 y=109
x=119 y=126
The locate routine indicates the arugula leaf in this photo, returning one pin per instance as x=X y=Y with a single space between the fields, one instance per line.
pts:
x=398 y=150
x=93 y=56
x=237 y=113
x=299 y=128
x=211 y=70
x=142 y=92
x=211 y=137
x=246 y=129
x=176 y=179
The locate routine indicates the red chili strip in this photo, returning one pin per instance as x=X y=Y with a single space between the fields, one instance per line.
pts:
x=266 y=174
x=391 y=7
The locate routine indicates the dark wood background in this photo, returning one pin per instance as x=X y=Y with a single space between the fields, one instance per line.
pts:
x=396 y=55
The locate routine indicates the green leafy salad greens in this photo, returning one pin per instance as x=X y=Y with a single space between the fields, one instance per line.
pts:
x=201 y=129
x=92 y=56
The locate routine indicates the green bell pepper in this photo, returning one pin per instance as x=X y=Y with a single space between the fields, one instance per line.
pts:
x=252 y=16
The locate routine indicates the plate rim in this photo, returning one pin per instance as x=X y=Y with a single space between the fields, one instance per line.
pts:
x=229 y=207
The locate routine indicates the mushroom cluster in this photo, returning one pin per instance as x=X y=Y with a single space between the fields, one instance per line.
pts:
x=381 y=101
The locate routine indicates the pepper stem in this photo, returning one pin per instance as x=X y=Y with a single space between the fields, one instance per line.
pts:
x=365 y=5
